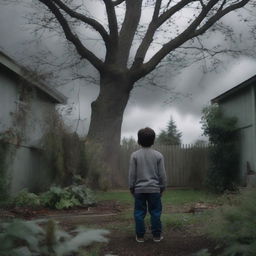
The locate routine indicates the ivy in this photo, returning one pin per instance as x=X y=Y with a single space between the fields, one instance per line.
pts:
x=223 y=173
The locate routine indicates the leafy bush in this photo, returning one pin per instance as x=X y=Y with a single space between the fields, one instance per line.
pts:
x=27 y=238
x=57 y=197
x=234 y=226
x=223 y=172
x=60 y=198
x=25 y=198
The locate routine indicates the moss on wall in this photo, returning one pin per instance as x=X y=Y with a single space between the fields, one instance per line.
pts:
x=3 y=170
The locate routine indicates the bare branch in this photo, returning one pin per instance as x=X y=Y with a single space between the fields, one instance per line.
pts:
x=112 y=21
x=81 y=49
x=168 y=4
x=157 y=9
x=170 y=12
x=117 y=2
x=219 y=15
x=128 y=30
x=222 y=5
x=186 y=35
x=153 y=26
x=92 y=22
x=202 y=3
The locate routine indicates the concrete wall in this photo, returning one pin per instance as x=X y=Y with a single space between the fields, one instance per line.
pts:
x=26 y=168
x=242 y=106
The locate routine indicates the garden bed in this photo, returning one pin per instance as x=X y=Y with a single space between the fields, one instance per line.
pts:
x=114 y=212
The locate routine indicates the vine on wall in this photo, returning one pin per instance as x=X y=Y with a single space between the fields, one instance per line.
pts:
x=64 y=152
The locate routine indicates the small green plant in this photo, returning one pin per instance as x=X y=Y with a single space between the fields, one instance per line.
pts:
x=28 y=238
x=56 y=197
x=25 y=198
x=234 y=226
x=61 y=198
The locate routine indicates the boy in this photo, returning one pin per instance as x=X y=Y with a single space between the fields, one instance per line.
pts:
x=147 y=181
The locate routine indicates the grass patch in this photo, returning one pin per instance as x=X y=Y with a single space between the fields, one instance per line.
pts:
x=123 y=196
x=174 y=197
x=178 y=221
x=180 y=197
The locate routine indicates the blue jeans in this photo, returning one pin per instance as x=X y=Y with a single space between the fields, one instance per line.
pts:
x=152 y=203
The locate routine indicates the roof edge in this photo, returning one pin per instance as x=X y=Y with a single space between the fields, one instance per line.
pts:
x=12 y=65
x=235 y=89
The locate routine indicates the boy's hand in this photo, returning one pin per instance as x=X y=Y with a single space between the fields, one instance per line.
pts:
x=161 y=191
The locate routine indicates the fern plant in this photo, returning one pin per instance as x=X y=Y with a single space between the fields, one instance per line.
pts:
x=28 y=238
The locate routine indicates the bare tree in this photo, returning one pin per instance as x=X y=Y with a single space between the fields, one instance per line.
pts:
x=122 y=66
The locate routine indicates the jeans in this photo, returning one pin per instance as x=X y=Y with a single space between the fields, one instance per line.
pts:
x=152 y=203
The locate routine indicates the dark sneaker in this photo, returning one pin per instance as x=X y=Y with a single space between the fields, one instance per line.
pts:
x=158 y=239
x=140 y=239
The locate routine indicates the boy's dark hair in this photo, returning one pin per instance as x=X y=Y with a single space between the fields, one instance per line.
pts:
x=146 y=137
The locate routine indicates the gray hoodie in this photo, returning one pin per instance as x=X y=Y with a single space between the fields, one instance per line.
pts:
x=146 y=171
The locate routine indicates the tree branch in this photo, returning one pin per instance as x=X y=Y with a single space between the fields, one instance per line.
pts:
x=219 y=15
x=170 y=12
x=153 y=26
x=186 y=35
x=117 y=2
x=128 y=30
x=112 y=21
x=202 y=3
x=92 y=22
x=81 y=49
x=157 y=9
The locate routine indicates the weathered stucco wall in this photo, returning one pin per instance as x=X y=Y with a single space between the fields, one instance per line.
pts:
x=242 y=106
x=8 y=98
x=26 y=111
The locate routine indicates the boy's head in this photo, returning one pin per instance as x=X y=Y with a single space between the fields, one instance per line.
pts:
x=146 y=137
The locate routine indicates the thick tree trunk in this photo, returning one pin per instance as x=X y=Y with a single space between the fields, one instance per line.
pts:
x=106 y=120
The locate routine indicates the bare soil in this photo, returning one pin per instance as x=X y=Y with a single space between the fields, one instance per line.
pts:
x=182 y=242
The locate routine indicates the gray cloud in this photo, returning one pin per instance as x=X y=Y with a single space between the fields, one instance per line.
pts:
x=188 y=91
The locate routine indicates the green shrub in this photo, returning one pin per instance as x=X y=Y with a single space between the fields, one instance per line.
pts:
x=27 y=238
x=24 y=198
x=223 y=173
x=234 y=226
x=56 y=197
x=62 y=198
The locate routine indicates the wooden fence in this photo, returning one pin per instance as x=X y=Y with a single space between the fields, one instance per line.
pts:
x=186 y=165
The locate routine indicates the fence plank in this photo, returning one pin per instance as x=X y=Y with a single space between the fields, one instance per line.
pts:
x=186 y=165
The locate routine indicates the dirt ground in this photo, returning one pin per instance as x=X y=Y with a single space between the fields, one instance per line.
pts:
x=181 y=242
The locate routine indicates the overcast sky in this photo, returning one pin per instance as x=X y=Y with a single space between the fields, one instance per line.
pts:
x=189 y=90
